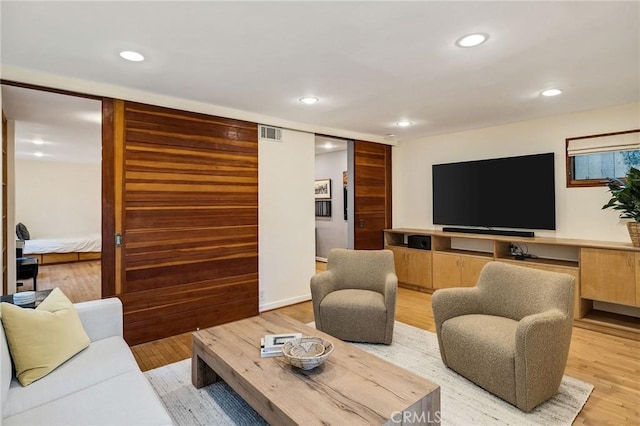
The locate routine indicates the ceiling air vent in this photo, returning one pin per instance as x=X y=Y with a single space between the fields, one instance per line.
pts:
x=269 y=133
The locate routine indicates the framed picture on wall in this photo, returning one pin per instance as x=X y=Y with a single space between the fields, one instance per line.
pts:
x=323 y=208
x=345 y=181
x=323 y=189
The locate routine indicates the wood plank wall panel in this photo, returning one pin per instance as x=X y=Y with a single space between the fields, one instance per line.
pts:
x=190 y=221
x=108 y=268
x=5 y=207
x=372 y=188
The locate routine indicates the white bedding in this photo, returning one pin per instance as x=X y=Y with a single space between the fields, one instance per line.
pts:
x=84 y=244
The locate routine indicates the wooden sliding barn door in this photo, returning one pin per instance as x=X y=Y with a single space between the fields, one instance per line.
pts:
x=372 y=194
x=186 y=206
x=5 y=207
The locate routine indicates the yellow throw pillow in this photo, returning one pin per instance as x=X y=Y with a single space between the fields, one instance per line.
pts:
x=41 y=339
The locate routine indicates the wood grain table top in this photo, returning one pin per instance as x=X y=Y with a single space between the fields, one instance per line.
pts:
x=350 y=387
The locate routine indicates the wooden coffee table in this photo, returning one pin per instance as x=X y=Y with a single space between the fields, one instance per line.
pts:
x=351 y=387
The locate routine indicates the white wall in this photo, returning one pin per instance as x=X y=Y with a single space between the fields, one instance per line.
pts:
x=286 y=219
x=55 y=199
x=578 y=210
x=331 y=232
x=2 y=212
x=11 y=202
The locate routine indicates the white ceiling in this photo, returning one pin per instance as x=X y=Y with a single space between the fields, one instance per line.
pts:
x=326 y=144
x=68 y=129
x=58 y=127
x=370 y=63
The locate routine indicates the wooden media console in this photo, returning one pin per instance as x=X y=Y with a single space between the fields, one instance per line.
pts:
x=607 y=272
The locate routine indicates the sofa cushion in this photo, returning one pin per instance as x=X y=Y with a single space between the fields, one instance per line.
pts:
x=127 y=399
x=101 y=318
x=100 y=361
x=482 y=349
x=43 y=338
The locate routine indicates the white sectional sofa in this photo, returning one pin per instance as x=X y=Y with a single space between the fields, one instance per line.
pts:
x=101 y=385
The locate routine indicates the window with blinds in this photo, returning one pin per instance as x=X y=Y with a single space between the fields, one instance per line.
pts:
x=593 y=160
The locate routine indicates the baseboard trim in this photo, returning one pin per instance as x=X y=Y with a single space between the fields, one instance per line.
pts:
x=285 y=302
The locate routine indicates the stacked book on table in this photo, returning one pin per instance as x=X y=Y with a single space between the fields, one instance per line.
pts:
x=271 y=344
x=24 y=298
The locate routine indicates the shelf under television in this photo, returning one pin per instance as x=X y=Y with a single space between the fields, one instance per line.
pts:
x=465 y=252
x=541 y=261
x=610 y=323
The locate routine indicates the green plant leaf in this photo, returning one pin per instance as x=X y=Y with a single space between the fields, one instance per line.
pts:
x=625 y=195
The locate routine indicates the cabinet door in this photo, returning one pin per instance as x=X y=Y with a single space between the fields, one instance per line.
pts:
x=446 y=270
x=470 y=270
x=637 y=279
x=419 y=268
x=608 y=275
x=400 y=259
x=412 y=266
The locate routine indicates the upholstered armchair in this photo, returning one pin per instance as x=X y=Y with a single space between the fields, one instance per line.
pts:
x=355 y=298
x=509 y=334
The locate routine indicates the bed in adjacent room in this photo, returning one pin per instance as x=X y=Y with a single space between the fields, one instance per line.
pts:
x=62 y=250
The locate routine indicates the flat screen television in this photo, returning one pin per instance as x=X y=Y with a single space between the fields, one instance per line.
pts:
x=512 y=192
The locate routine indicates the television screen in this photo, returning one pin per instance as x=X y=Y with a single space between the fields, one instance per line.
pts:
x=513 y=192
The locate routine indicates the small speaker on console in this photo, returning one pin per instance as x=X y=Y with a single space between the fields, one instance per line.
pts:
x=422 y=242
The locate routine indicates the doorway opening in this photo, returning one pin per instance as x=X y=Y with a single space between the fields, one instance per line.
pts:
x=333 y=195
x=54 y=190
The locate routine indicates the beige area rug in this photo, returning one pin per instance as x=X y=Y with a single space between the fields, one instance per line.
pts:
x=462 y=402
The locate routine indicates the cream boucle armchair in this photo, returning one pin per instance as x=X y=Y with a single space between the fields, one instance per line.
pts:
x=355 y=298
x=509 y=334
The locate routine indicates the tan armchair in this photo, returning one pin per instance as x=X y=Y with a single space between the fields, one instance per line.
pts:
x=509 y=334
x=355 y=298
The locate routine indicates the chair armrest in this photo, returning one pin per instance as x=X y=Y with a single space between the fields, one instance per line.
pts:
x=449 y=303
x=101 y=318
x=542 y=332
x=542 y=347
x=390 y=288
x=390 y=294
x=322 y=284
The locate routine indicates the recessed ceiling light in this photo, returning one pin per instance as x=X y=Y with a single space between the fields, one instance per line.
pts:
x=328 y=145
x=309 y=100
x=130 y=55
x=38 y=154
x=472 y=40
x=551 y=92
x=37 y=142
x=404 y=123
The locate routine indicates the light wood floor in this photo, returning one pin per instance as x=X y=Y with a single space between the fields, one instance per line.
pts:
x=79 y=281
x=611 y=364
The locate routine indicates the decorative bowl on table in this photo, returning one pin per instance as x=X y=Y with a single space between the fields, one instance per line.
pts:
x=307 y=352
